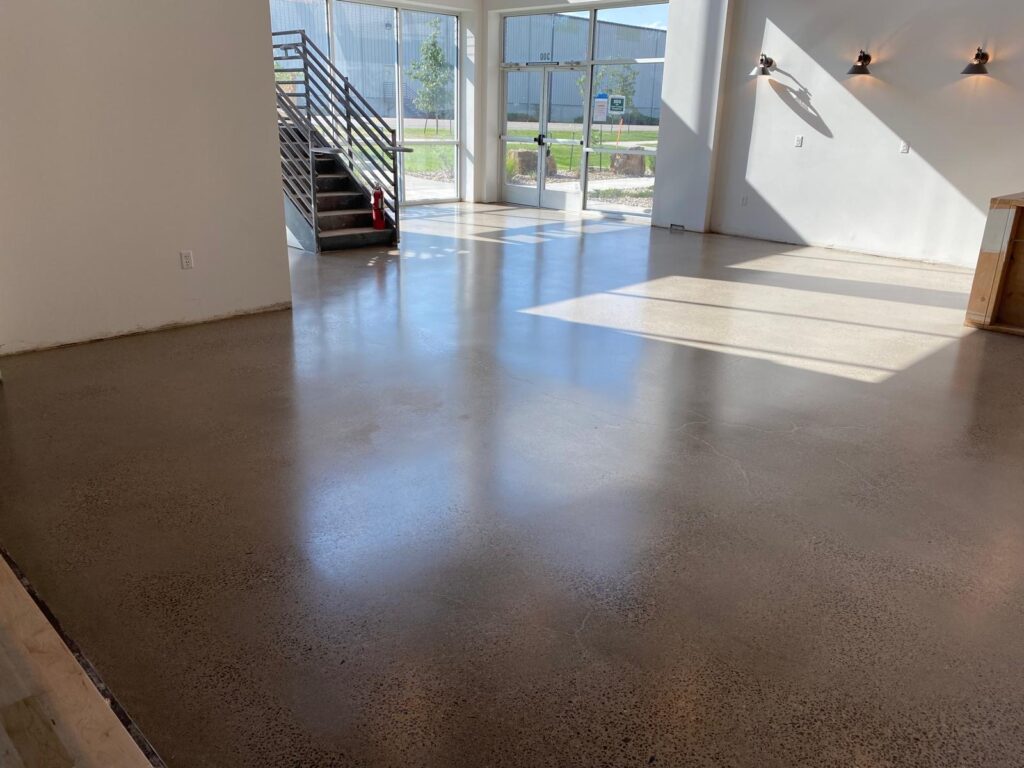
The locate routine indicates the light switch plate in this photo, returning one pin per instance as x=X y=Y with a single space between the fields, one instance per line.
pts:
x=799 y=142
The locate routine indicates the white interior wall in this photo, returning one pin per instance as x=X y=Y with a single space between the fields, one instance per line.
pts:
x=131 y=131
x=695 y=53
x=474 y=93
x=849 y=186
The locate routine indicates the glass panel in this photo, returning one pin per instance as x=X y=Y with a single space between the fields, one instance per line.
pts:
x=566 y=94
x=310 y=15
x=563 y=167
x=430 y=172
x=620 y=182
x=546 y=37
x=637 y=32
x=521 y=164
x=627 y=106
x=429 y=56
x=523 y=92
x=365 y=50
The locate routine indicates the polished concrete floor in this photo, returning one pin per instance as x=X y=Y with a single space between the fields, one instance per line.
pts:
x=541 y=492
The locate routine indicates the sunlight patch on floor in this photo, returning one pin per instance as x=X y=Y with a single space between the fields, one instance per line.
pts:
x=855 y=337
x=838 y=265
x=511 y=226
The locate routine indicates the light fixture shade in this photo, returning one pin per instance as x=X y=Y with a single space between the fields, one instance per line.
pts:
x=764 y=66
x=978 y=63
x=861 y=67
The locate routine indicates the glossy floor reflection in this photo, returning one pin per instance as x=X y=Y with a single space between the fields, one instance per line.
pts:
x=535 y=491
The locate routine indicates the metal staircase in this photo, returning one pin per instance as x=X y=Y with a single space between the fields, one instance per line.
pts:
x=335 y=149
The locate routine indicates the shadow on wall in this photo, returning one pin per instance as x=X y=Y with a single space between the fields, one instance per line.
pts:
x=927 y=203
x=799 y=100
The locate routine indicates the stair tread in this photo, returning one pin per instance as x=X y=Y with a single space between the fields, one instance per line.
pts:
x=345 y=212
x=333 y=176
x=353 y=231
x=343 y=193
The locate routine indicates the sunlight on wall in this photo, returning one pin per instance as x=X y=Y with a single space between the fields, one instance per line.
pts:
x=861 y=152
x=858 y=328
x=849 y=185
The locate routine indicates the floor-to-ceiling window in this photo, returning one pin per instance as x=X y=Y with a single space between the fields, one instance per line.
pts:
x=308 y=15
x=405 y=63
x=629 y=56
x=364 y=47
x=582 y=101
x=428 y=57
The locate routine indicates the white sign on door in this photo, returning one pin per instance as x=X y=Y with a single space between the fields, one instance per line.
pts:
x=600 y=108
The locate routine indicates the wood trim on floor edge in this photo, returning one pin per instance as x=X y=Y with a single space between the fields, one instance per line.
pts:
x=119 y=711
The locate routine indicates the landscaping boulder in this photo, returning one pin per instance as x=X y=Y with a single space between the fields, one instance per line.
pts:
x=526 y=162
x=629 y=165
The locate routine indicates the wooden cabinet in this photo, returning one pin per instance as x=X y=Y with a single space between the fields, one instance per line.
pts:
x=997 y=298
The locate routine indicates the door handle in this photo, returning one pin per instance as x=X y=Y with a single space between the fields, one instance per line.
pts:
x=539 y=140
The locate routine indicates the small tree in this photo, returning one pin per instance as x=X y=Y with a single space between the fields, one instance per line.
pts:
x=434 y=75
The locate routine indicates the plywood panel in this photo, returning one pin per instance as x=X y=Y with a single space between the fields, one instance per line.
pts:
x=50 y=712
x=1010 y=310
x=986 y=279
x=997 y=296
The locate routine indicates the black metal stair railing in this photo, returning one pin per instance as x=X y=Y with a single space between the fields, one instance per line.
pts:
x=320 y=112
x=296 y=138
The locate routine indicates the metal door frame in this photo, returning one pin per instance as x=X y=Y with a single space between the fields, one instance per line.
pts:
x=542 y=197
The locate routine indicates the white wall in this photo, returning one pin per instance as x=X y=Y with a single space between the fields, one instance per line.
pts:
x=474 y=94
x=132 y=130
x=848 y=186
x=695 y=53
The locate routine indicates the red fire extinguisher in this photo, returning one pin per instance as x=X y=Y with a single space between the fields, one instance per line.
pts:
x=377 y=209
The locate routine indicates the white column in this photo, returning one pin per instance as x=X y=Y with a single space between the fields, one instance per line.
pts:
x=694 y=67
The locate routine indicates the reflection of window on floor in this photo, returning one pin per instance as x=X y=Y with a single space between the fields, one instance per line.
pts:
x=368 y=44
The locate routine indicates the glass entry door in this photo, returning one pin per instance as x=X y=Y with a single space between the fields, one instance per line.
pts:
x=542 y=141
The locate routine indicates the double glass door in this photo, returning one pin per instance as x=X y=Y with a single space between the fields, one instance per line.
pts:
x=543 y=135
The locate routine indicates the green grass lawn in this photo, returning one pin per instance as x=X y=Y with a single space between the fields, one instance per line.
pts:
x=568 y=157
x=430 y=159
x=444 y=132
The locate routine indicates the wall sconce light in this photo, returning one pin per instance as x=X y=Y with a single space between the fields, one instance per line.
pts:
x=861 y=67
x=764 y=66
x=977 y=65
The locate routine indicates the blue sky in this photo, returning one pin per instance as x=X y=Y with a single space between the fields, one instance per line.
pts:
x=655 y=16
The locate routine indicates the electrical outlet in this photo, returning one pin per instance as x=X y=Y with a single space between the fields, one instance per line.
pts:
x=904 y=148
x=186 y=259
x=744 y=201
x=799 y=142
